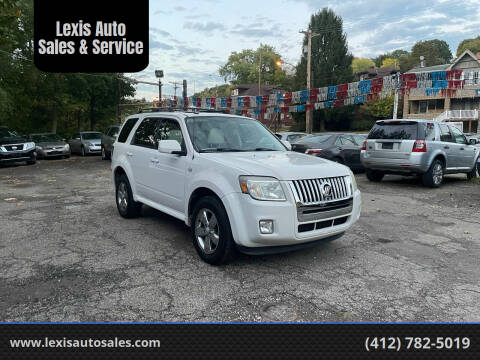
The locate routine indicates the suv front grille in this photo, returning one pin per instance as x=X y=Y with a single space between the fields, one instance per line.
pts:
x=318 y=191
x=13 y=147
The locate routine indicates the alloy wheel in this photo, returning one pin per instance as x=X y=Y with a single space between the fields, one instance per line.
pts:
x=207 y=231
x=437 y=173
x=122 y=196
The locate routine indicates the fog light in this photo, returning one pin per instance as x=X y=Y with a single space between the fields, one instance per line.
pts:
x=266 y=226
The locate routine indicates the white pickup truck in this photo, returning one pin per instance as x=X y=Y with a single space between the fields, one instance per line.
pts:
x=232 y=181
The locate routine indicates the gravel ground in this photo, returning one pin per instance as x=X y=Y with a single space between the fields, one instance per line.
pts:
x=67 y=256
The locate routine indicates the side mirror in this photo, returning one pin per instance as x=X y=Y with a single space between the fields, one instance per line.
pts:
x=473 y=141
x=170 y=147
x=287 y=145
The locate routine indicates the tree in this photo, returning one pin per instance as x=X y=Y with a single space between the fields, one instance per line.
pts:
x=361 y=64
x=435 y=52
x=330 y=64
x=390 y=62
x=243 y=67
x=469 y=44
x=216 y=91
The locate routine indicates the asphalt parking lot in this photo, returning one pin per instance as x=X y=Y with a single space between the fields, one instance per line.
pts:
x=67 y=256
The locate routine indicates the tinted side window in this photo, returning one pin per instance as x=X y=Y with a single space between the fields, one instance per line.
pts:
x=445 y=134
x=169 y=129
x=126 y=130
x=458 y=136
x=145 y=134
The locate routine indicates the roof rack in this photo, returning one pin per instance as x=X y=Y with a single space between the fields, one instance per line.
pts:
x=189 y=110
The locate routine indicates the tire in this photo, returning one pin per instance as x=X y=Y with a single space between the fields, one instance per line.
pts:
x=434 y=176
x=67 y=156
x=31 y=162
x=374 y=175
x=82 y=151
x=475 y=173
x=126 y=206
x=207 y=212
x=104 y=154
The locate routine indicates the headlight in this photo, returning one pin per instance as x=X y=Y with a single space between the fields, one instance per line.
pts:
x=353 y=181
x=67 y=147
x=30 y=145
x=39 y=148
x=262 y=188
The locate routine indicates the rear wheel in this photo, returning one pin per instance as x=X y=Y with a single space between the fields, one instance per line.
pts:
x=374 y=175
x=211 y=232
x=434 y=176
x=127 y=207
x=82 y=151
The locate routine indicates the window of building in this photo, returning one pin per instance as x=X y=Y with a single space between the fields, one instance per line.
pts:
x=422 y=106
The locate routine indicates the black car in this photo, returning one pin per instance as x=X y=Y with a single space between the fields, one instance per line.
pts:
x=14 y=148
x=342 y=148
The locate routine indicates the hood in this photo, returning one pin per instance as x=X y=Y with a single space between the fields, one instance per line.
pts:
x=12 y=140
x=46 y=144
x=281 y=165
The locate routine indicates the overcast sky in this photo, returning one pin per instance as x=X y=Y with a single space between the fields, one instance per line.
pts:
x=191 y=39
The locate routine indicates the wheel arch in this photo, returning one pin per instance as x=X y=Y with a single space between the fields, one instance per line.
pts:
x=196 y=195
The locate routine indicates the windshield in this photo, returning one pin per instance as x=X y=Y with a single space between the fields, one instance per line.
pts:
x=222 y=133
x=46 y=138
x=5 y=133
x=91 y=136
x=314 y=139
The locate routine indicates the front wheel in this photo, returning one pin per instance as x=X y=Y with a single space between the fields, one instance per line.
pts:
x=434 y=176
x=211 y=232
x=127 y=207
x=374 y=175
x=104 y=154
x=82 y=151
x=475 y=173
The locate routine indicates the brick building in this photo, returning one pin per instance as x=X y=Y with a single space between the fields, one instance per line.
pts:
x=457 y=99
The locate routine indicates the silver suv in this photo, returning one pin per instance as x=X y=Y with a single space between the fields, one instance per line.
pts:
x=426 y=148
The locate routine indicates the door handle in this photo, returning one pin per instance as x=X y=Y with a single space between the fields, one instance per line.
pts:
x=462 y=148
x=446 y=147
x=155 y=161
x=129 y=154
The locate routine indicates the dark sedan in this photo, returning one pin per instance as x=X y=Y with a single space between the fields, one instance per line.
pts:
x=342 y=148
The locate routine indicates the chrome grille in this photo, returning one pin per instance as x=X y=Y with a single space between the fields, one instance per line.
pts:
x=315 y=191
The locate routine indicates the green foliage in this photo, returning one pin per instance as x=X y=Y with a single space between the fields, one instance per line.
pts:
x=361 y=64
x=402 y=57
x=471 y=44
x=378 y=109
x=33 y=101
x=243 y=67
x=435 y=51
x=223 y=90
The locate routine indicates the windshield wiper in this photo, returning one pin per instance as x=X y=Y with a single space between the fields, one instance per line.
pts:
x=263 y=149
x=224 y=149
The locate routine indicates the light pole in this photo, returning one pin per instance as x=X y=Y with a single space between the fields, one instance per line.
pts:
x=159 y=75
x=310 y=34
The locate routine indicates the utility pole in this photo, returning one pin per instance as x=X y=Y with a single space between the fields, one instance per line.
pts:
x=175 y=87
x=185 y=106
x=260 y=73
x=308 y=114
x=395 y=102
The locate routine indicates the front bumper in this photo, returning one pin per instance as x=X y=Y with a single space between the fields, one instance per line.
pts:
x=46 y=153
x=245 y=213
x=97 y=149
x=17 y=156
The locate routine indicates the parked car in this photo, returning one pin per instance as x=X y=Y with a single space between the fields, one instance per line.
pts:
x=341 y=148
x=86 y=142
x=108 y=138
x=291 y=137
x=50 y=145
x=425 y=148
x=15 y=148
x=232 y=181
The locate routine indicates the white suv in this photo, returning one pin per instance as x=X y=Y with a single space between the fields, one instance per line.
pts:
x=232 y=181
